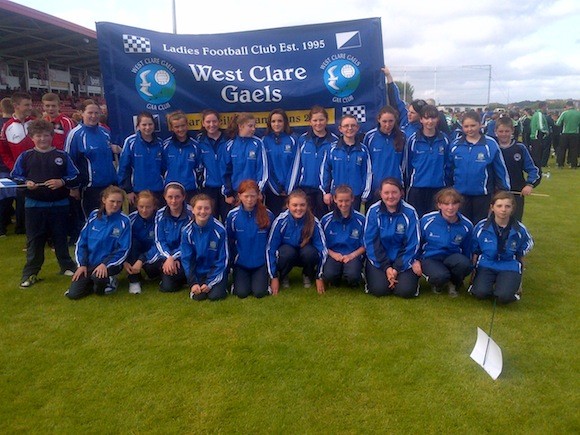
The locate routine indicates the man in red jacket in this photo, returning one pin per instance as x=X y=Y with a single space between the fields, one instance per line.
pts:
x=14 y=140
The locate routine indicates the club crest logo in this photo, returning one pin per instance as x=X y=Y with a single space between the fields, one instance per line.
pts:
x=341 y=78
x=155 y=83
x=400 y=229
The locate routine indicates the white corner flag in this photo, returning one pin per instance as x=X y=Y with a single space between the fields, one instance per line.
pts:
x=487 y=354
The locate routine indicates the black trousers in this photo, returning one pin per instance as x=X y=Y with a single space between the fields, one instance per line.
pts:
x=91 y=284
x=220 y=207
x=378 y=285
x=503 y=285
x=250 y=282
x=422 y=198
x=42 y=223
x=441 y=270
x=475 y=207
x=569 y=142
x=217 y=292
x=333 y=271
x=289 y=257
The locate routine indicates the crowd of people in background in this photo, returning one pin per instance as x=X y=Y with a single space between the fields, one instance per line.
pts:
x=427 y=193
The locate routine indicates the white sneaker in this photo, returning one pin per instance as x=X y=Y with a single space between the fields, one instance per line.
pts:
x=68 y=272
x=306 y=281
x=135 y=288
x=286 y=283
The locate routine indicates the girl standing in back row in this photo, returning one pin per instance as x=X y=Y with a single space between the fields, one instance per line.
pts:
x=280 y=145
x=244 y=157
x=476 y=168
x=312 y=147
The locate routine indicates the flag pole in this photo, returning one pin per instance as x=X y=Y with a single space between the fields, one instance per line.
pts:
x=174 y=17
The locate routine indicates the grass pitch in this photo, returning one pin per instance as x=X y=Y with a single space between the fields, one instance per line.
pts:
x=343 y=362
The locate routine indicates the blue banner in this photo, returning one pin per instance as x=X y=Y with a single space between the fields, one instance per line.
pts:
x=335 y=65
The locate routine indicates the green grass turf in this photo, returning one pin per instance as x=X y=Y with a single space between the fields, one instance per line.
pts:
x=342 y=362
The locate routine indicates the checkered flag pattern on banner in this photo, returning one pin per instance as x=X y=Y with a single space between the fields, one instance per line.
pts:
x=136 y=44
x=359 y=112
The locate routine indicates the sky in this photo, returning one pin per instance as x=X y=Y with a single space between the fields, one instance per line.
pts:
x=451 y=51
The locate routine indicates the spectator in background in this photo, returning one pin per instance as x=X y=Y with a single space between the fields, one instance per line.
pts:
x=62 y=123
x=525 y=122
x=547 y=142
x=6 y=195
x=7 y=109
x=570 y=138
x=539 y=131
x=14 y=140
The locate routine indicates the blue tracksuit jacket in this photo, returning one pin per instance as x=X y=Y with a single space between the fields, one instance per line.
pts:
x=90 y=150
x=211 y=154
x=426 y=161
x=204 y=253
x=247 y=242
x=386 y=161
x=281 y=154
x=350 y=165
x=168 y=232
x=141 y=166
x=440 y=238
x=286 y=230
x=244 y=159
x=477 y=169
x=343 y=235
x=142 y=237
x=389 y=236
x=485 y=243
x=181 y=162
x=307 y=170
x=105 y=239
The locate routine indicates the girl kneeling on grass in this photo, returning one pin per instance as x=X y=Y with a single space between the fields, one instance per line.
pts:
x=296 y=239
x=204 y=252
x=445 y=251
x=500 y=243
x=391 y=240
x=343 y=231
x=248 y=226
x=102 y=247
x=169 y=221
x=143 y=246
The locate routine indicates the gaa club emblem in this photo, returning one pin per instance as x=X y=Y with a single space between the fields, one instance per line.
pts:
x=341 y=77
x=155 y=83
